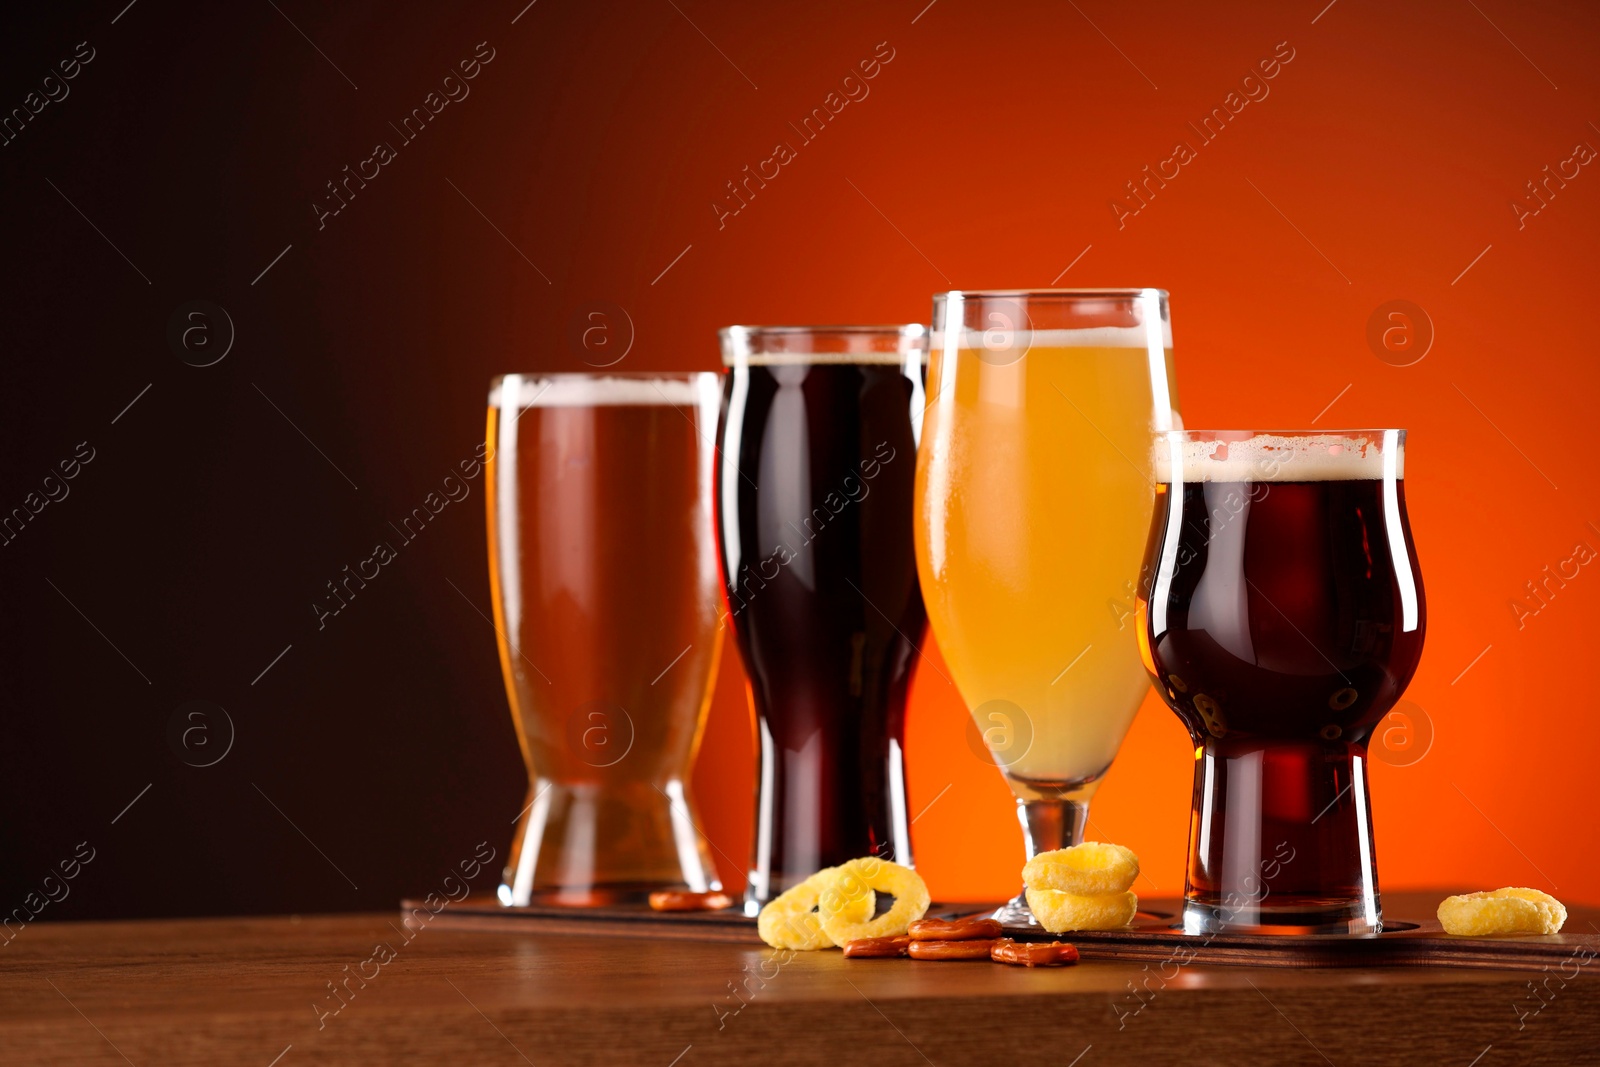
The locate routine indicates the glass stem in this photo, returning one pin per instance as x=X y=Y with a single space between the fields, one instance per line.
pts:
x=1046 y=825
x=1051 y=824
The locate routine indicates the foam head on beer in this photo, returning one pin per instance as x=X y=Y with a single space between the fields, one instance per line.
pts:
x=583 y=390
x=1000 y=334
x=1329 y=457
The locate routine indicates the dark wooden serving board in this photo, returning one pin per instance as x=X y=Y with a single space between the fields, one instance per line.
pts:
x=1414 y=939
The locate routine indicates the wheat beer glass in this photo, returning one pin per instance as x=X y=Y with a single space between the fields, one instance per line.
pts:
x=817 y=455
x=603 y=570
x=1283 y=617
x=1032 y=502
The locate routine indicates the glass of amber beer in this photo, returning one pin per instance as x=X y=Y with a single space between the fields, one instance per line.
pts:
x=1032 y=500
x=604 y=579
x=1281 y=617
x=818 y=447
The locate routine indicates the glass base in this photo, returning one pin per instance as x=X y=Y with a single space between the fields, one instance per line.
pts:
x=598 y=896
x=1285 y=917
x=585 y=844
x=1281 y=840
x=1015 y=912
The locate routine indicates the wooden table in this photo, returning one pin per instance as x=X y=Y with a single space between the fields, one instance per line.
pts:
x=225 y=991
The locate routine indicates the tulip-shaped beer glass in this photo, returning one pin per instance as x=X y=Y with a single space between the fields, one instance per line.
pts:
x=1032 y=503
x=1283 y=617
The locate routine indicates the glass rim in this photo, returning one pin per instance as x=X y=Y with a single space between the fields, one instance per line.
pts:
x=1202 y=434
x=853 y=344
x=595 y=375
x=903 y=329
x=1050 y=294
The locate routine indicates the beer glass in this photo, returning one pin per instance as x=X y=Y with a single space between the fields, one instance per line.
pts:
x=1032 y=501
x=817 y=449
x=604 y=582
x=1283 y=617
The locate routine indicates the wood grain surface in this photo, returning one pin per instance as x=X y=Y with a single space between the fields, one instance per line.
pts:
x=257 y=991
x=1413 y=937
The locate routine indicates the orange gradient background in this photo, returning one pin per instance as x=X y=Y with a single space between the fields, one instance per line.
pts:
x=1384 y=160
x=1382 y=165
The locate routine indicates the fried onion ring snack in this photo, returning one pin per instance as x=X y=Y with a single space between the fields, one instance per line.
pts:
x=791 y=920
x=839 y=906
x=1060 y=912
x=1090 y=867
x=1511 y=910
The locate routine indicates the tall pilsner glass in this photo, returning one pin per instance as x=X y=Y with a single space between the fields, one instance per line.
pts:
x=1033 y=497
x=603 y=569
x=814 y=509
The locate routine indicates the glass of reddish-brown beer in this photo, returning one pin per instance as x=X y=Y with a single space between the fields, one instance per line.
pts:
x=1282 y=617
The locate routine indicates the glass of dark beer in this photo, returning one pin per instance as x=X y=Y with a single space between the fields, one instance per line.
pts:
x=816 y=458
x=1282 y=618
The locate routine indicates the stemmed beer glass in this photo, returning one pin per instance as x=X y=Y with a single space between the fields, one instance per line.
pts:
x=1033 y=498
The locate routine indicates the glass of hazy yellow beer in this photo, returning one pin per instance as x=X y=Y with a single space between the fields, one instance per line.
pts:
x=1033 y=501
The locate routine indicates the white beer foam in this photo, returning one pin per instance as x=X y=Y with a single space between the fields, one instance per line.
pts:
x=789 y=359
x=581 y=390
x=1323 y=457
x=1089 y=337
x=861 y=345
